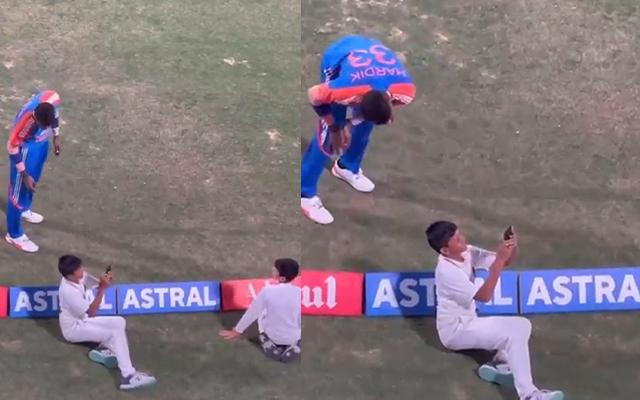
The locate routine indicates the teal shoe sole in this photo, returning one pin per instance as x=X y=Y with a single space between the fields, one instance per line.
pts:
x=558 y=396
x=492 y=375
x=109 y=362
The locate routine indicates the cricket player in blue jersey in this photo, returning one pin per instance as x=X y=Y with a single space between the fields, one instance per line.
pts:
x=362 y=80
x=28 y=149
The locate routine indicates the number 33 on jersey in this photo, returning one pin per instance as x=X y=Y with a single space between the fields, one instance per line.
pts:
x=355 y=65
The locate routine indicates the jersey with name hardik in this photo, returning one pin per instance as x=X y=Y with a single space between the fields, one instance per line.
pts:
x=355 y=65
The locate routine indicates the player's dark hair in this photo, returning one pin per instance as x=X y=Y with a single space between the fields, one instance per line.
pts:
x=439 y=233
x=68 y=264
x=376 y=107
x=287 y=268
x=45 y=114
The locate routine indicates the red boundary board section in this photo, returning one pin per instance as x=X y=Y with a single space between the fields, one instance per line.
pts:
x=4 y=301
x=323 y=292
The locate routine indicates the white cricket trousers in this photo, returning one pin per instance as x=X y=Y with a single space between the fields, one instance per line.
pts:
x=110 y=333
x=508 y=335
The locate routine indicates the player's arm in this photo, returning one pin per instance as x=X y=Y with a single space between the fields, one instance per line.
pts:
x=321 y=98
x=257 y=307
x=56 y=132
x=53 y=98
x=105 y=281
x=485 y=293
x=14 y=145
x=95 y=304
x=502 y=257
x=402 y=93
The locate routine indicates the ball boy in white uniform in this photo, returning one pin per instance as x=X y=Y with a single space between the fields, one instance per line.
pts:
x=79 y=323
x=278 y=311
x=459 y=327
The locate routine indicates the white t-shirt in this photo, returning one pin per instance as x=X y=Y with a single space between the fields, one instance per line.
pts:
x=279 y=306
x=455 y=289
x=74 y=301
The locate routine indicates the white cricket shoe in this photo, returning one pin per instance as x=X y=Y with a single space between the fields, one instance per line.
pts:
x=137 y=380
x=546 y=395
x=357 y=181
x=23 y=243
x=313 y=209
x=32 y=217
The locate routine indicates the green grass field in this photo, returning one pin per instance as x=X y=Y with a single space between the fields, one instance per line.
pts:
x=179 y=162
x=526 y=115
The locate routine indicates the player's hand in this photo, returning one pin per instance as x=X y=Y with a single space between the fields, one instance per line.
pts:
x=346 y=136
x=105 y=281
x=513 y=242
x=228 y=334
x=29 y=182
x=56 y=145
x=337 y=138
x=505 y=252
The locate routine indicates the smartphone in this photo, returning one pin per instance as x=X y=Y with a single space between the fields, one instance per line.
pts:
x=508 y=233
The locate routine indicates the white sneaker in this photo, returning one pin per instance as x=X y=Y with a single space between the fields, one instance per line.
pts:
x=23 y=243
x=546 y=395
x=313 y=209
x=32 y=217
x=357 y=181
x=137 y=380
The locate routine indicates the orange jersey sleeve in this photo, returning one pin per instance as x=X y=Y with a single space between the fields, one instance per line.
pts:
x=19 y=133
x=322 y=94
x=402 y=93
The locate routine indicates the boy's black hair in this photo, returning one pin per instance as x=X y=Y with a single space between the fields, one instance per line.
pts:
x=439 y=233
x=287 y=268
x=68 y=264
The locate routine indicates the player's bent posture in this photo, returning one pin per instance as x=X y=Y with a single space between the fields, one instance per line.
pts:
x=459 y=327
x=278 y=311
x=362 y=76
x=28 y=148
x=79 y=323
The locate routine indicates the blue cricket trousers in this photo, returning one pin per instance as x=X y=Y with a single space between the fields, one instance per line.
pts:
x=34 y=156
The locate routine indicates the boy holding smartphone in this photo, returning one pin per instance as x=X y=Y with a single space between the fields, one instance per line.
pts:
x=79 y=323
x=458 y=324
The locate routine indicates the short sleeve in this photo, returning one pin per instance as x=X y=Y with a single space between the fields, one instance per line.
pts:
x=481 y=258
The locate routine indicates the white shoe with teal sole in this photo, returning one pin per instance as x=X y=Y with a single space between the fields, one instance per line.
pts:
x=499 y=374
x=136 y=381
x=105 y=357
